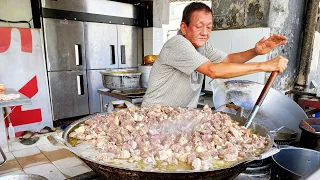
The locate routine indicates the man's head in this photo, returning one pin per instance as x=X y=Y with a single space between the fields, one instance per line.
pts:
x=196 y=23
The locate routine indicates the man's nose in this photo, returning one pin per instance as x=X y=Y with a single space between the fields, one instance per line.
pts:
x=204 y=31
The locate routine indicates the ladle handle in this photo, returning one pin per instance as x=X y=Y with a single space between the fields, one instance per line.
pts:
x=263 y=94
x=266 y=88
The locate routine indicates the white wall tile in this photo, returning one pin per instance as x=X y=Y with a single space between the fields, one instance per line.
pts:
x=157 y=33
x=221 y=40
x=237 y=40
x=147 y=46
x=266 y=32
x=157 y=46
x=244 y=39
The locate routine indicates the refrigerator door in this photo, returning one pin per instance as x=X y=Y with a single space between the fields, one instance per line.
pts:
x=69 y=94
x=127 y=46
x=95 y=83
x=101 y=45
x=64 y=44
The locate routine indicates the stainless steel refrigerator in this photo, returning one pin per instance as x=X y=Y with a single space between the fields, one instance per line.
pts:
x=78 y=49
x=65 y=57
x=108 y=46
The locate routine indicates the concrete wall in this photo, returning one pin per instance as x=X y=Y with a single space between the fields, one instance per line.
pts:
x=234 y=14
x=284 y=17
x=287 y=17
x=15 y=10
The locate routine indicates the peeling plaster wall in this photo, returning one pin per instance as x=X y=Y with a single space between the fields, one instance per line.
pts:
x=233 y=14
x=284 y=17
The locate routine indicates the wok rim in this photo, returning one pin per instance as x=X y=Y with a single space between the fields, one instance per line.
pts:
x=292 y=148
x=245 y=162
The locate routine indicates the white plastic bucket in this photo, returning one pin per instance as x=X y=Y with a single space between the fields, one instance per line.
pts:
x=145 y=73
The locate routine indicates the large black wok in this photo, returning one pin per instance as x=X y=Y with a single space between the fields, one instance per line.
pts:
x=113 y=172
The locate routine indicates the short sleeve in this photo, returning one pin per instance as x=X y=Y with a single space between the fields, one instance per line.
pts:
x=183 y=56
x=214 y=54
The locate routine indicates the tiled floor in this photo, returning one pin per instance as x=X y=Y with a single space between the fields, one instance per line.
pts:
x=44 y=159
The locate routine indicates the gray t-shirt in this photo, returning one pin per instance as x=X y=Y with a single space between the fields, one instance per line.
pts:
x=173 y=79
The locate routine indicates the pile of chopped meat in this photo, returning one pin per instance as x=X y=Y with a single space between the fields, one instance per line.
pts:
x=162 y=135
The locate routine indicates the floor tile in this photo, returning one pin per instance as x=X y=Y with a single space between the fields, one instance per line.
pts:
x=49 y=147
x=75 y=171
x=10 y=166
x=33 y=160
x=67 y=163
x=8 y=155
x=26 y=152
x=42 y=141
x=16 y=145
x=48 y=171
x=18 y=172
x=60 y=134
x=58 y=154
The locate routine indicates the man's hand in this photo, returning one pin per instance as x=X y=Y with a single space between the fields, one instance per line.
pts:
x=266 y=45
x=277 y=64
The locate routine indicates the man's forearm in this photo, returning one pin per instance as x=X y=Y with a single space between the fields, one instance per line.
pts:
x=241 y=57
x=230 y=70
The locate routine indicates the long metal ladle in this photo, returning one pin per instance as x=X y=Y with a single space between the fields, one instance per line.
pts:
x=263 y=94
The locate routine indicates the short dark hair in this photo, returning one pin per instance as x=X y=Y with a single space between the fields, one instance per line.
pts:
x=192 y=7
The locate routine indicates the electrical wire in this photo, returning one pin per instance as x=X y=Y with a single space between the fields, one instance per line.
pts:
x=28 y=22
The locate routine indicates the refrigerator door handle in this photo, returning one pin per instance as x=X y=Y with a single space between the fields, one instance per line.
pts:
x=80 y=85
x=77 y=50
x=113 y=55
x=123 y=54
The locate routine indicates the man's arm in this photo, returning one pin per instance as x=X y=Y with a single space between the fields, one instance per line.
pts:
x=229 y=70
x=262 y=47
x=240 y=57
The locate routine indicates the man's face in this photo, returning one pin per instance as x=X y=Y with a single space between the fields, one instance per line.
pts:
x=199 y=29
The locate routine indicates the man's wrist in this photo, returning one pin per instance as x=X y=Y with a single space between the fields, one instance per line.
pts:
x=254 y=52
x=261 y=66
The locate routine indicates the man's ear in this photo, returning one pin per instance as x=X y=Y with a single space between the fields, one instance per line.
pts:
x=183 y=28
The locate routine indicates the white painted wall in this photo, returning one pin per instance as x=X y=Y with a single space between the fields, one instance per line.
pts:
x=15 y=10
x=237 y=40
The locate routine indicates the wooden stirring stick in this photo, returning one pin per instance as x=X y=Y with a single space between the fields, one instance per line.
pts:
x=307 y=126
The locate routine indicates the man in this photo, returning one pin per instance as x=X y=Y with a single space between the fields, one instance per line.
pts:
x=177 y=75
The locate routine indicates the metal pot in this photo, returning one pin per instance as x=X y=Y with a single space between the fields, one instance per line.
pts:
x=293 y=163
x=120 y=79
x=23 y=177
x=276 y=111
x=114 y=172
x=310 y=140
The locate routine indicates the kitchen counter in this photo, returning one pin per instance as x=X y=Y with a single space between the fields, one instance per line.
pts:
x=137 y=100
